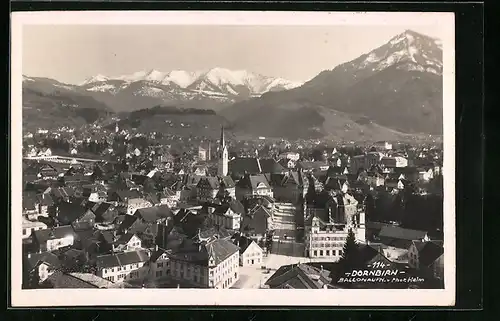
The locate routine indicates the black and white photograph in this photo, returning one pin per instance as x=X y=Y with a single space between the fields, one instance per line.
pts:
x=201 y=158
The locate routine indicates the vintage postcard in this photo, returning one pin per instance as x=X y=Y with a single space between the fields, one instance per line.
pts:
x=233 y=158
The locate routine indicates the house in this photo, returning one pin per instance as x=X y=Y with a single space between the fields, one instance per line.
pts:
x=104 y=212
x=53 y=238
x=75 y=214
x=45 y=152
x=207 y=188
x=286 y=187
x=375 y=179
x=309 y=167
x=287 y=163
x=169 y=197
x=123 y=266
x=152 y=224
x=200 y=170
x=299 y=276
x=425 y=174
x=202 y=154
x=381 y=145
x=395 y=161
x=37 y=267
x=226 y=216
x=428 y=257
x=206 y=263
x=73 y=151
x=30 y=226
x=253 y=185
x=127 y=242
x=129 y=201
x=251 y=254
x=398 y=240
x=257 y=223
x=159 y=264
x=293 y=156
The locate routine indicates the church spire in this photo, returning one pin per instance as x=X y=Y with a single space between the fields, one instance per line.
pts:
x=222 y=138
x=223 y=155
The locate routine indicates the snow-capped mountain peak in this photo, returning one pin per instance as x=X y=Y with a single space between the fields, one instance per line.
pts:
x=94 y=79
x=408 y=50
x=215 y=83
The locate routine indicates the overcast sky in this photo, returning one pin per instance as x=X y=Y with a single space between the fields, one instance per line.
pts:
x=73 y=53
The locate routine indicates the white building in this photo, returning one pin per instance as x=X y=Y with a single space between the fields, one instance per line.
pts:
x=206 y=263
x=326 y=241
x=251 y=254
x=224 y=216
x=135 y=204
x=123 y=266
x=53 y=238
x=223 y=165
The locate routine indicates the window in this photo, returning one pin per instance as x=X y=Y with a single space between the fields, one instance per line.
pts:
x=159 y=273
x=112 y=269
x=24 y=231
x=315 y=253
x=119 y=268
x=340 y=252
x=159 y=264
x=327 y=252
x=321 y=252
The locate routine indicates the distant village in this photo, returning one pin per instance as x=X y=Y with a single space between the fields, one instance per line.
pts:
x=119 y=209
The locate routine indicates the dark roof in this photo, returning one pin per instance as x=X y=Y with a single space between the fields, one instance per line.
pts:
x=212 y=182
x=428 y=252
x=256 y=221
x=124 y=238
x=269 y=165
x=227 y=181
x=218 y=249
x=244 y=165
x=42 y=236
x=299 y=276
x=154 y=213
x=70 y=212
x=396 y=232
x=236 y=206
x=33 y=259
x=120 y=259
x=60 y=280
x=276 y=180
x=155 y=255
x=128 y=194
x=242 y=242
x=253 y=181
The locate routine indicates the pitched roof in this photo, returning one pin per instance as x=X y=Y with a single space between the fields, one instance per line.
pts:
x=299 y=276
x=396 y=232
x=60 y=232
x=244 y=165
x=128 y=194
x=253 y=182
x=152 y=214
x=122 y=258
x=242 y=242
x=429 y=252
x=70 y=212
x=218 y=249
x=269 y=165
x=60 y=280
x=33 y=259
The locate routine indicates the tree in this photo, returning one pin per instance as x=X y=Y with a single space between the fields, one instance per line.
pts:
x=350 y=251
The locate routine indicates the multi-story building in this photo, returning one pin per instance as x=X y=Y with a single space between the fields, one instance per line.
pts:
x=252 y=185
x=123 y=266
x=53 y=238
x=326 y=240
x=206 y=263
x=225 y=217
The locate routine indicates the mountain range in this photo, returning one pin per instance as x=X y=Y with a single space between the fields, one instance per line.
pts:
x=397 y=86
x=391 y=92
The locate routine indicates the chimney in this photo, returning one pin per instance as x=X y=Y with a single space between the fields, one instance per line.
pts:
x=29 y=255
x=156 y=247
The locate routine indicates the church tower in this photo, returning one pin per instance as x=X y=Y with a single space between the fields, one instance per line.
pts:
x=223 y=155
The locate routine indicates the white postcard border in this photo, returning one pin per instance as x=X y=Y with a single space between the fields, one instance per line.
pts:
x=234 y=297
